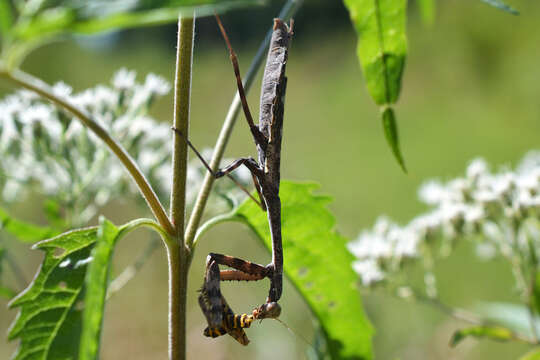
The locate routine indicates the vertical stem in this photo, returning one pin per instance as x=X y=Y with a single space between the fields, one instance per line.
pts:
x=177 y=300
x=176 y=249
x=182 y=92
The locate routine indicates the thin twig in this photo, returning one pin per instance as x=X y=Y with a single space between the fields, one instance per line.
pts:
x=129 y=272
x=288 y=10
x=34 y=84
x=455 y=312
x=467 y=316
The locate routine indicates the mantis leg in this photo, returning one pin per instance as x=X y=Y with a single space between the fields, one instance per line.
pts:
x=258 y=136
x=244 y=270
x=250 y=163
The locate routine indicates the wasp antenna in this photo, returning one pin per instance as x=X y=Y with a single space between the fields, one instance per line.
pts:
x=304 y=340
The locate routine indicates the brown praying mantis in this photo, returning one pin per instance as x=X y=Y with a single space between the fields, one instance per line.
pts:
x=266 y=177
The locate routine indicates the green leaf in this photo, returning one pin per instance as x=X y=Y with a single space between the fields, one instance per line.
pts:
x=74 y=272
x=536 y=293
x=382 y=45
x=531 y=355
x=499 y=4
x=96 y=288
x=391 y=135
x=48 y=323
x=427 y=10
x=5 y=292
x=23 y=231
x=491 y=332
x=70 y=16
x=382 y=49
x=318 y=263
x=6 y=17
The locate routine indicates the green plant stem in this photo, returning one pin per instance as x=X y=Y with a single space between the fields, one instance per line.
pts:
x=178 y=253
x=177 y=261
x=527 y=287
x=288 y=10
x=465 y=315
x=130 y=271
x=34 y=84
x=531 y=305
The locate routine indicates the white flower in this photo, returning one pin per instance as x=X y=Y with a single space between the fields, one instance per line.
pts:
x=40 y=145
x=149 y=158
x=370 y=245
x=382 y=225
x=485 y=196
x=474 y=214
x=407 y=243
x=501 y=209
x=104 y=100
x=433 y=192
x=477 y=168
x=369 y=271
x=426 y=224
x=492 y=232
x=62 y=90
x=84 y=99
x=453 y=213
x=28 y=96
x=529 y=180
x=502 y=184
x=140 y=98
x=531 y=161
x=124 y=79
x=155 y=84
x=9 y=130
x=144 y=125
x=457 y=189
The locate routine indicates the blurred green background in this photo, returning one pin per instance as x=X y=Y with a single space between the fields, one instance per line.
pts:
x=471 y=88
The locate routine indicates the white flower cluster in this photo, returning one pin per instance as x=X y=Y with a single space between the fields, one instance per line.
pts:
x=44 y=146
x=498 y=210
